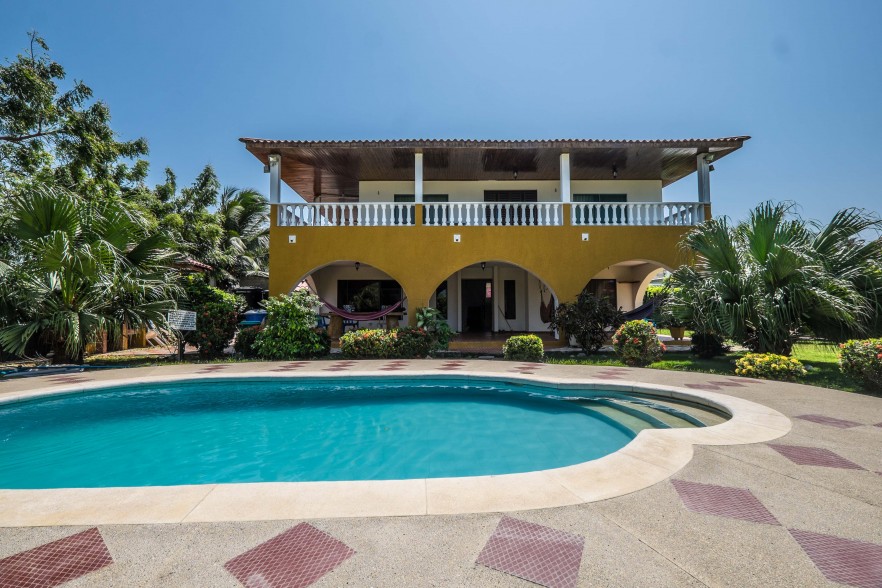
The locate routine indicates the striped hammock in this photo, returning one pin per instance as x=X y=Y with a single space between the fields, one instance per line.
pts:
x=361 y=316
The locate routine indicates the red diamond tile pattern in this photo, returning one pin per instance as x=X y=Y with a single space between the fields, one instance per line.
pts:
x=288 y=367
x=55 y=563
x=723 y=501
x=825 y=420
x=298 y=557
x=814 y=456
x=70 y=379
x=538 y=554
x=213 y=368
x=855 y=563
x=878 y=425
x=728 y=383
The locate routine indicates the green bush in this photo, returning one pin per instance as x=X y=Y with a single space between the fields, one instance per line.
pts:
x=587 y=320
x=636 y=342
x=217 y=314
x=245 y=342
x=523 y=348
x=862 y=360
x=367 y=344
x=708 y=345
x=769 y=366
x=413 y=342
x=406 y=343
x=436 y=325
x=290 y=330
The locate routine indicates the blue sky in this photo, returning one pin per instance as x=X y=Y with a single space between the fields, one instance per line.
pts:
x=803 y=78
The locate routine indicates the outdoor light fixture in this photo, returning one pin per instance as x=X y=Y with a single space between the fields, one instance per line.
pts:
x=710 y=167
x=483 y=265
x=357 y=265
x=615 y=173
x=515 y=174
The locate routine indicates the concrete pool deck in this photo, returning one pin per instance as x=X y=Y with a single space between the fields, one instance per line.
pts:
x=770 y=499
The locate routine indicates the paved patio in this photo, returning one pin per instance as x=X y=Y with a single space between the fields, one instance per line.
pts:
x=802 y=510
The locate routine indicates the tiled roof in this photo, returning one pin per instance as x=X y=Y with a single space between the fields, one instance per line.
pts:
x=497 y=143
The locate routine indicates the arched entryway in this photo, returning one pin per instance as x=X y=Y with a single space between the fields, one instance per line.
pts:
x=624 y=283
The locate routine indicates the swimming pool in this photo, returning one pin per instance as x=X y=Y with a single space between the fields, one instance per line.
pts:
x=291 y=430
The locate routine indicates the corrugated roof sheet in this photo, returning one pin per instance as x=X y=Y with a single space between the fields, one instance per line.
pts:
x=495 y=143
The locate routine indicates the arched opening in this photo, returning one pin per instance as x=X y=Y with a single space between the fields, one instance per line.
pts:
x=625 y=283
x=491 y=300
x=356 y=287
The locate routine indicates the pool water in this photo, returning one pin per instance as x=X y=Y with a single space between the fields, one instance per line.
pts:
x=275 y=430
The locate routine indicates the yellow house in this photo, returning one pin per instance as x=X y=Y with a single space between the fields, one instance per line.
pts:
x=487 y=231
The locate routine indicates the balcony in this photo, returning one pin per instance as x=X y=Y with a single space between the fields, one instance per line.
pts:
x=491 y=214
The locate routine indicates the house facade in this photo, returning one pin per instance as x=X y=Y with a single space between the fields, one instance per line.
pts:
x=487 y=231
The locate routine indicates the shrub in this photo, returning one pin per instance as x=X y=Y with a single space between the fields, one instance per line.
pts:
x=290 y=330
x=708 y=345
x=408 y=343
x=636 y=342
x=412 y=342
x=217 y=314
x=368 y=344
x=769 y=366
x=436 y=325
x=862 y=360
x=524 y=348
x=587 y=320
x=245 y=342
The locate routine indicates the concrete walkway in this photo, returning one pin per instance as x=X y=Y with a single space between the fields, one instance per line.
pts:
x=792 y=512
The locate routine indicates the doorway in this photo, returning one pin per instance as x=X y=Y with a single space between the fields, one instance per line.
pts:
x=477 y=306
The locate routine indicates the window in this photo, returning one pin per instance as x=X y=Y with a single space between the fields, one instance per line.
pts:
x=601 y=216
x=509 y=300
x=603 y=289
x=504 y=215
x=367 y=295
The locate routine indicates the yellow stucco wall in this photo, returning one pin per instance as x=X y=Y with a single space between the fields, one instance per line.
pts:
x=421 y=257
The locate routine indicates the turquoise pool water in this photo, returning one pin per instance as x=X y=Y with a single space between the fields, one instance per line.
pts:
x=273 y=430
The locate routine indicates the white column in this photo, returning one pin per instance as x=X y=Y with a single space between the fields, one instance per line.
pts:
x=275 y=167
x=703 y=167
x=458 y=282
x=418 y=177
x=495 y=300
x=565 y=195
x=526 y=301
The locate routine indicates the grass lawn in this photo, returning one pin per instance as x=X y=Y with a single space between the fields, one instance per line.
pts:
x=821 y=360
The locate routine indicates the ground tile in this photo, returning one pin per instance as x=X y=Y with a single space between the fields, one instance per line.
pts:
x=298 y=557
x=723 y=501
x=533 y=552
x=814 y=456
x=57 y=562
x=855 y=563
x=826 y=420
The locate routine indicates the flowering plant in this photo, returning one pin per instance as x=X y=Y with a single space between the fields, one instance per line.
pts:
x=636 y=342
x=769 y=366
x=862 y=360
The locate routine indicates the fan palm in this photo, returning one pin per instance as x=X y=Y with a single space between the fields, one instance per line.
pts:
x=244 y=246
x=769 y=279
x=81 y=268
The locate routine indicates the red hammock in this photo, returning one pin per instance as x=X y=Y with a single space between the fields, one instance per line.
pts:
x=361 y=316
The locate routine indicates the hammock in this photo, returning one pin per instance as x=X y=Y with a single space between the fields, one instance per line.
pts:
x=362 y=316
x=546 y=311
x=644 y=311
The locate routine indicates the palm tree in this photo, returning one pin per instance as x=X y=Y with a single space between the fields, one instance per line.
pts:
x=81 y=268
x=768 y=280
x=245 y=242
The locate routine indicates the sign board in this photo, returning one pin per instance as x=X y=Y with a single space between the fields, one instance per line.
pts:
x=182 y=320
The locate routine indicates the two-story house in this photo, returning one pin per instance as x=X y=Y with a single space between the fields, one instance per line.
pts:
x=487 y=231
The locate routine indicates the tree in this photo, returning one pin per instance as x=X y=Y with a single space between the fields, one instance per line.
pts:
x=83 y=267
x=63 y=137
x=774 y=277
x=588 y=320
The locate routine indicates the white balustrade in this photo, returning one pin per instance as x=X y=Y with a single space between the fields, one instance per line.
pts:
x=637 y=214
x=328 y=214
x=490 y=214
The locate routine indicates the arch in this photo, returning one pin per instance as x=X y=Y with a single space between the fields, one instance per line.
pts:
x=528 y=293
x=628 y=278
x=364 y=264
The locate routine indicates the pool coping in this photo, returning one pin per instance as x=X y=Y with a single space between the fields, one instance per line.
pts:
x=651 y=457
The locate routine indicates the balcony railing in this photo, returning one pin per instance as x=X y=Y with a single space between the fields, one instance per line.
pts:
x=490 y=214
x=637 y=214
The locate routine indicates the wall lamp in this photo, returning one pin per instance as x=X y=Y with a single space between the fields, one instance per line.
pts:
x=483 y=265
x=357 y=265
x=615 y=172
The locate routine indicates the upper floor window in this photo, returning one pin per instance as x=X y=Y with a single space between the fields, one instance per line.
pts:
x=427 y=198
x=601 y=216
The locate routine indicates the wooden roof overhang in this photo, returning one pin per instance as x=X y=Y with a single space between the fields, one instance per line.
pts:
x=332 y=169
